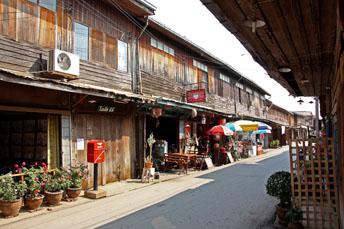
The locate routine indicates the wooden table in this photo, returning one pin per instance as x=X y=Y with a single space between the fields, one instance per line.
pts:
x=191 y=156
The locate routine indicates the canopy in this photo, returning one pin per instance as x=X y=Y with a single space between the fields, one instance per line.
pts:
x=264 y=126
x=247 y=125
x=233 y=127
x=221 y=130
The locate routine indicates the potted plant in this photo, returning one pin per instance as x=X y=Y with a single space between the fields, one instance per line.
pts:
x=11 y=194
x=279 y=185
x=294 y=216
x=55 y=186
x=76 y=176
x=33 y=198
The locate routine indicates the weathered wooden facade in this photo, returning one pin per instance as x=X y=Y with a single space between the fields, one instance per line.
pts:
x=50 y=119
x=128 y=67
x=171 y=65
x=301 y=46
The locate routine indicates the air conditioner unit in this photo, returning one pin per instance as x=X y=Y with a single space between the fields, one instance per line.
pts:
x=63 y=64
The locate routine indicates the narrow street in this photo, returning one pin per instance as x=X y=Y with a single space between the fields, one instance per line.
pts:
x=235 y=198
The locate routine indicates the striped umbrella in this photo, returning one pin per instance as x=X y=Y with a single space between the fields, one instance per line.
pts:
x=264 y=126
x=233 y=127
x=220 y=130
x=262 y=132
x=247 y=125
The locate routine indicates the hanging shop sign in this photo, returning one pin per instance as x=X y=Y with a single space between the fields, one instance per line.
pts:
x=196 y=96
x=106 y=109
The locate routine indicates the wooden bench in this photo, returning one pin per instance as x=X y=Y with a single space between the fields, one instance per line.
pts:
x=179 y=160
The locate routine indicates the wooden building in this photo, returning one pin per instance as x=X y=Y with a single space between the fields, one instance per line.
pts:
x=281 y=123
x=49 y=117
x=300 y=44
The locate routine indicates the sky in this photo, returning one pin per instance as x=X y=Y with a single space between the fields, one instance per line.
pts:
x=190 y=18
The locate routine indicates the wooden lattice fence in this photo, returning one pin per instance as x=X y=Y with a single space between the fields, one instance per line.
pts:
x=314 y=182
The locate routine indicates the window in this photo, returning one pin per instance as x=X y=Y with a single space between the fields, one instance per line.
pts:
x=203 y=80
x=239 y=97
x=171 y=51
x=166 y=48
x=122 y=56
x=224 y=78
x=199 y=65
x=163 y=47
x=81 y=41
x=160 y=45
x=154 y=43
x=49 y=4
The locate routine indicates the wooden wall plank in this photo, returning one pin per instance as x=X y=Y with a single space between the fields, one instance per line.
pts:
x=47 y=28
x=27 y=21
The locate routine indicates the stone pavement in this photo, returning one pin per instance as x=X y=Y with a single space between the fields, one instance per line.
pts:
x=123 y=198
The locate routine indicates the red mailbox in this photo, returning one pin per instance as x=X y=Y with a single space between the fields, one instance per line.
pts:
x=95 y=151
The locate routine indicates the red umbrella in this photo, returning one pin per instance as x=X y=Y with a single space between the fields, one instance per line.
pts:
x=220 y=130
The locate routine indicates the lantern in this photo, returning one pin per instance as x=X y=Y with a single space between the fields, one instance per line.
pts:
x=156 y=112
x=222 y=121
x=203 y=119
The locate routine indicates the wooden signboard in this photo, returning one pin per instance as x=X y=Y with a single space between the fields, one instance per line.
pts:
x=209 y=162
x=230 y=158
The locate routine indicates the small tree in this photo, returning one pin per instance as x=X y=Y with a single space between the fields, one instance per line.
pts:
x=279 y=185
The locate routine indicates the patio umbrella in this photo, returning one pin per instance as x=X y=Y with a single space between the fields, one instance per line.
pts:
x=264 y=126
x=247 y=125
x=262 y=132
x=233 y=127
x=221 y=130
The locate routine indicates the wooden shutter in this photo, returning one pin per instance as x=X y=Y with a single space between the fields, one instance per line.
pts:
x=97 y=49
x=47 y=28
x=8 y=18
x=111 y=52
x=27 y=19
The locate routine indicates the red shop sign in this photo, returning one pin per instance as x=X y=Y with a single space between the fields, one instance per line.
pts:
x=195 y=96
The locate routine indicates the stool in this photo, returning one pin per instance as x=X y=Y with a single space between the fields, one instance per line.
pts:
x=147 y=175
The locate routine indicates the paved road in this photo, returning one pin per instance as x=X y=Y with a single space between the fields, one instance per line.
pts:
x=234 y=199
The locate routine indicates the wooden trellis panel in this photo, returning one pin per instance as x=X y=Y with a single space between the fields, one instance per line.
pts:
x=314 y=181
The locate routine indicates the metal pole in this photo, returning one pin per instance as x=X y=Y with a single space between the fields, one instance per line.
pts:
x=317 y=117
x=95 y=177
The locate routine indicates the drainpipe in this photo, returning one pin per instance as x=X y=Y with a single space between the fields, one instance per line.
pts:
x=137 y=57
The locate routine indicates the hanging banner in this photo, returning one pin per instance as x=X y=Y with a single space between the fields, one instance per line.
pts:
x=196 y=96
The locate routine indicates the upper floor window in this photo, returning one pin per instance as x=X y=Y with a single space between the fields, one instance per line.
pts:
x=225 y=78
x=49 y=4
x=122 y=56
x=81 y=40
x=199 y=65
x=163 y=47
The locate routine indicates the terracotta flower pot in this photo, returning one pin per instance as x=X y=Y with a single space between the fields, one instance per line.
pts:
x=53 y=198
x=33 y=203
x=73 y=192
x=295 y=226
x=149 y=165
x=281 y=213
x=10 y=208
